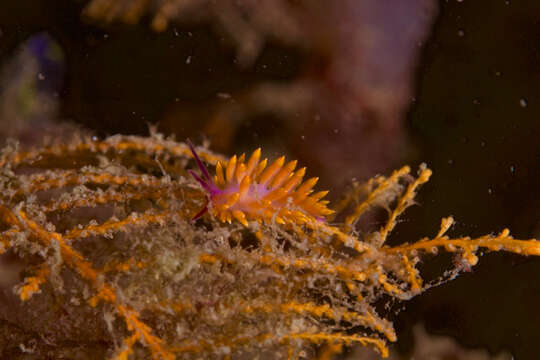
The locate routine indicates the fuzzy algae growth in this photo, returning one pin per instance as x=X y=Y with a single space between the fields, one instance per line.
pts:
x=110 y=222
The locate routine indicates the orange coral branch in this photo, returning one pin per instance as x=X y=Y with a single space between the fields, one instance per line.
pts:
x=469 y=246
x=404 y=201
x=149 y=217
x=106 y=197
x=197 y=347
x=372 y=197
x=32 y=283
x=414 y=278
x=123 y=266
x=153 y=342
x=127 y=348
x=347 y=240
x=367 y=319
x=317 y=265
x=117 y=144
x=347 y=339
x=331 y=349
x=106 y=292
x=354 y=194
x=41 y=182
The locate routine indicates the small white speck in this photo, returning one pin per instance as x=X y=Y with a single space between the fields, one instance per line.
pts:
x=223 y=95
x=41 y=76
x=523 y=102
x=188 y=60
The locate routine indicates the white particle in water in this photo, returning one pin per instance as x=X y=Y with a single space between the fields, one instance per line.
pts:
x=523 y=102
x=223 y=95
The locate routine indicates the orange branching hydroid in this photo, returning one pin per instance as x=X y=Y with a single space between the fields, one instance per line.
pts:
x=116 y=214
x=254 y=191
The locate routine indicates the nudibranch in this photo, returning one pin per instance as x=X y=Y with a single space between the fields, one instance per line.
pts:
x=252 y=191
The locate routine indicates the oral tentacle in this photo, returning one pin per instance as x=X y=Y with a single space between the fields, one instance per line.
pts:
x=204 y=171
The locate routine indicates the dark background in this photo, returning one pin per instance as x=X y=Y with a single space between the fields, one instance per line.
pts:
x=484 y=148
x=475 y=121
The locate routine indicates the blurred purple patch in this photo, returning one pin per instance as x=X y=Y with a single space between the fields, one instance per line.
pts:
x=31 y=82
x=367 y=87
x=50 y=60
